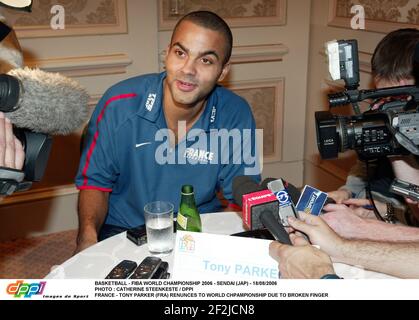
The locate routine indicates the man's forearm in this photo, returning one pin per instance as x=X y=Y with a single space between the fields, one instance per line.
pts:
x=396 y=259
x=379 y=231
x=93 y=207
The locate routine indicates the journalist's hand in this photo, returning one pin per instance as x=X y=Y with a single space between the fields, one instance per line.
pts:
x=319 y=233
x=301 y=261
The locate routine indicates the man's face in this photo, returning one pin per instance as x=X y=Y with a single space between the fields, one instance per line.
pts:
x=194 y=63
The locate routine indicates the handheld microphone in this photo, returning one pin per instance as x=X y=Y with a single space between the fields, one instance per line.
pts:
x=276 y=229
x=286 y=205
x=260 y=207
x=243 y=185
x=292 y=190
x=43 y=102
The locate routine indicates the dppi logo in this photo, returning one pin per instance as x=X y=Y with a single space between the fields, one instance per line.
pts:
x=27 y=290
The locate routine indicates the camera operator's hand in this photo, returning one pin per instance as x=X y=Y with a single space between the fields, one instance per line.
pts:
x=339 y=195
x=412 y=202
x=301 y=261
x=12 y=154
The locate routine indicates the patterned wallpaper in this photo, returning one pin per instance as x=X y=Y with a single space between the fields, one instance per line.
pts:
x=401 y=11
x=238 y=13
x=77 y=12
x=226 y=9
x=263 y=102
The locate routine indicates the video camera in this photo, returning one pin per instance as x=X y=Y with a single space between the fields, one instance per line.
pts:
x=391 y=129
x=37 y=146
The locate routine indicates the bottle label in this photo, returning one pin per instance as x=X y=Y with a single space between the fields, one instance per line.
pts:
x=182 y=221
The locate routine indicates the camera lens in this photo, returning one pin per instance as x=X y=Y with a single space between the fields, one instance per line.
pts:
x=327 y=134
x=9 y=93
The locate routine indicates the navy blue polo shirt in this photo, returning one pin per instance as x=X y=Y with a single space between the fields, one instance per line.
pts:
x=128 y=151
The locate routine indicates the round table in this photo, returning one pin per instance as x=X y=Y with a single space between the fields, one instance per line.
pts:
x=98 y=260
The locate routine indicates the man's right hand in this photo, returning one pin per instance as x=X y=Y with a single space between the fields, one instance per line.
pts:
x=84 y=242
x=93 y=206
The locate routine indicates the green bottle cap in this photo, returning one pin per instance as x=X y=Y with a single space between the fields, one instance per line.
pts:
x=187 y=189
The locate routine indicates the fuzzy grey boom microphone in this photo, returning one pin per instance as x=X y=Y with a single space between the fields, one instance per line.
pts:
x=43 y=102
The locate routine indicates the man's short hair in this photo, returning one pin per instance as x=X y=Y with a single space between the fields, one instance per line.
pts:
x=394 y=56
x=212 y=21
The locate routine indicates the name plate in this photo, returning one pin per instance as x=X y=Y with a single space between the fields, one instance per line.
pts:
x=209 y=256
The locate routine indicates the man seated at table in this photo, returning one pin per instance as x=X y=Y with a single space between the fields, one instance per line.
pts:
x=151 y=134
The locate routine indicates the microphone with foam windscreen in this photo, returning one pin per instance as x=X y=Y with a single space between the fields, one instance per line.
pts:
x=43 y=102
x=39 y=104
x=260 y=207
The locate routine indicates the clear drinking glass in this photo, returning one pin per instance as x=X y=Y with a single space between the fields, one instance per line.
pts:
x=159 y=226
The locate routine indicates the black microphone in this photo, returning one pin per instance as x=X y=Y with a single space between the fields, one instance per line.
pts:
x=275 y=228
x=260 y=207
x=244 y=185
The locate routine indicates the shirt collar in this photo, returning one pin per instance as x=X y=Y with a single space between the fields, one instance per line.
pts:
x=152 y=107
x=152 y=110
x=208 y=118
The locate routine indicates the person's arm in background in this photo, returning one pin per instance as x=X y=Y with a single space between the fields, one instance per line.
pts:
x=355 y=184
x=348 y=224
x=397 y=259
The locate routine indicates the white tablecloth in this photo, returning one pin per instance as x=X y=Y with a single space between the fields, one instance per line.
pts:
x=97 y=261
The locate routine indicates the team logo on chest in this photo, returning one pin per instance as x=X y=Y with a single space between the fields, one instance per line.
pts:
x=150 y=101
x=213 y=114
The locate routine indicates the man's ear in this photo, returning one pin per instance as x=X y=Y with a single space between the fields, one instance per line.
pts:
x=225 y=71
